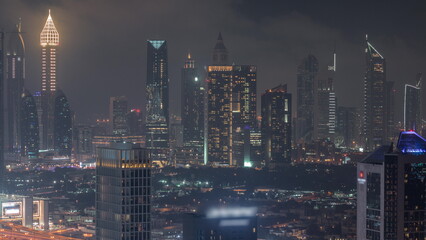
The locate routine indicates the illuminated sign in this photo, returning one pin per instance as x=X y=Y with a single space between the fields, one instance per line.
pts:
x=11 y=209
x=232 y=212
x=361 y=177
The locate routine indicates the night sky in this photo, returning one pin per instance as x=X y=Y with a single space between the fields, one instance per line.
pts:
x=103 y=42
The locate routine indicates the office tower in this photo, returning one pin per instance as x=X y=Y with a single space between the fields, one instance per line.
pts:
x=220 y=53
x=276 y=127
x=123 y=192
x=325 y=110
x=413 y=105
x=29 y=139
x=306 y=83
x=347 y=127
x=135 y=122
x=378 y=101
x=62 y=125
x=391 y=191
x=1 y=109
x=49 y=41
x=231 y=110
x=157 y=100
x=83 y=136
x=118 y=115
x=15 y=75
x=192 y=107
x=222 y=223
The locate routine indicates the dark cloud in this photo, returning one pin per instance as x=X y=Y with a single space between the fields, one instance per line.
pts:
x=103 y=41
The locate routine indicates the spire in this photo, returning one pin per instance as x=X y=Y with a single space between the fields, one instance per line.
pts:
x=49 y=35
x=220 y=53
x=371 y=50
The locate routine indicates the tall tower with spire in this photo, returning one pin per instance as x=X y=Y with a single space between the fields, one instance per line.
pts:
x=378 y=101
x=49 y=41
x=15 y=75
x=220 y=53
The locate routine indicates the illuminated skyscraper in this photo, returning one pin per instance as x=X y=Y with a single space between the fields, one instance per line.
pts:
x=192 y=111
x=62 y=125
x=231 y=108
x=276 y=127
x=118 y=115
x=412 y=105
x=1 y=109
x=391 y=191
x=306 y=81
x=123 y=192
x=325 y=110
x=49 y=41
x=15 y=75
x=30 y=139
x=135 y=122
x=378 y=101
x=157 y=100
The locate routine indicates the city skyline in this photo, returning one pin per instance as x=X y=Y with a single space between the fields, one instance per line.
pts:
x=299 y=22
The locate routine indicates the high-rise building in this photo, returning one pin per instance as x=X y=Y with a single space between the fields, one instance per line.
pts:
x=15 y=75
x=192 y=106
x=222 y=223
x=347 y=127
x=413 y=105
x=49 y=41
x=231 y=108
x=276 y=127
x=157 y=100
x=83 y=137
x=123 y=192
x=118 y=115
x=62 y=125
x=29 y=139
x=306 y=82
x=325 y=110
x=1 y=109
x=391 y=191
x=378 y=101
x=135 y=122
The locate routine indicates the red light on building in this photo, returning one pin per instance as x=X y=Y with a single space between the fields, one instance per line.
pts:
x=361 y=174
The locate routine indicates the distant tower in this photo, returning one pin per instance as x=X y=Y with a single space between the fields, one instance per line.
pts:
x=135 y=122
x=192 y=111
x=123 y=192
x=29 y=139
x=157 y=100
x=62 y=125
x=15 y=75
x=49 y=41
x=413 y=105
x=276 y=127
x=306 y=82
x=118 y=108
x=220 y=53
x=378 y=101
x=1 y=110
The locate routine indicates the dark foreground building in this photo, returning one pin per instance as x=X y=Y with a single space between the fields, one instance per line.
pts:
x=391 y=196
x=123 y=191
x=30 y=139
x=62 y=125
x=222 y=223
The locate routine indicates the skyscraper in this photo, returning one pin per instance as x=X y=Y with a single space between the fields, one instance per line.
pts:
x=231 y=108
x=29 y=138
x=276 y=127
x=412 y=105
x=123 y=192
x=62 y=125
x=135 y=122
x=49 y=41
x=192 y=111
x=1 y=109
x=325 y=109
x=118 y=110
x=15 y=75
x=306 y=82
x=378 y=101
x=157 y=100
x=348 y=126
x=391 y=191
